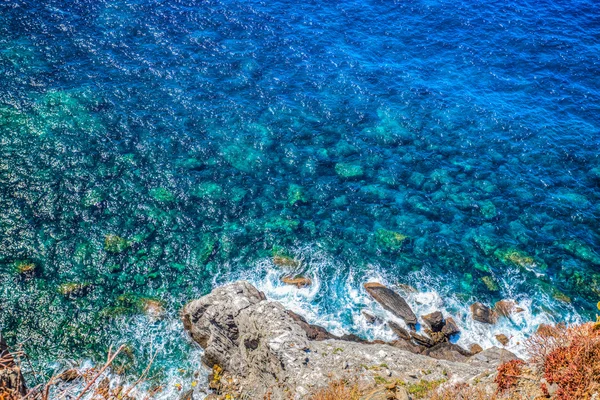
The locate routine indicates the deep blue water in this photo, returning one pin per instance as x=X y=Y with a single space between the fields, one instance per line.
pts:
x=209 y=136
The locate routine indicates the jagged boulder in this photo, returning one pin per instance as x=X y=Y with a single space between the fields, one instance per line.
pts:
x=435 y=320
x=392 y=302
x=483 y=313
x=450 y=327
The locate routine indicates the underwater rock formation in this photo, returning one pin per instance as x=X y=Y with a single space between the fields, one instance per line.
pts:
x=258 y=348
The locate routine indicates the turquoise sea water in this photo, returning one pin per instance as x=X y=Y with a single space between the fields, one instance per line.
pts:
x=155 y=149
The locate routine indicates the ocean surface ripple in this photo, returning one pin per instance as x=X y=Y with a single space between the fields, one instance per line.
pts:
x=150 y=150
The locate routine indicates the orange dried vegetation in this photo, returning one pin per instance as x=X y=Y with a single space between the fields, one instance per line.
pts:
x=338 y=390
x=508 y=375
x=570 y=357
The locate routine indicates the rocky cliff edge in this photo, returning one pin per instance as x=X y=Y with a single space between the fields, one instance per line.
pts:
x=259 y=350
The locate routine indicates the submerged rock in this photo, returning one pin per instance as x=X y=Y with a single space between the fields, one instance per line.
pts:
x=520 y=259
x=392 y=302
x=506 y=308
x=162 y=194
x=347 y=170
x=581 y=251
x=490 y=283
x=26 y=269
x=390 y=240
x=115 y=244
x=483 y=313
x=154 y=308
x=72 y=290
x=296 y=194
x=285 y=261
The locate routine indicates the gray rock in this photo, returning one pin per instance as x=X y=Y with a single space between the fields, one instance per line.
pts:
x=392 y=302
x=491 y=357
x=263 y=349
x=447 y=351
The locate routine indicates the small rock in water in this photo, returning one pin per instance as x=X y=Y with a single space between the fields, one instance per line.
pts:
x=26 y=269
x=73 y=290
x=346 y=170
x=506 y=308
x=115 y=244
x=392 y=302
x=371 y=319
x=502 y=338
x=69 y=375
x=153 y=308
x=475 y=348
x=435 y=320
x=285 y=261
x=483 y=313
x=298 y=281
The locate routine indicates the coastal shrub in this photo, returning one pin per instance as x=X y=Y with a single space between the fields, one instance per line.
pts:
x=570 y=358
x=338 y=390
x=508 y=375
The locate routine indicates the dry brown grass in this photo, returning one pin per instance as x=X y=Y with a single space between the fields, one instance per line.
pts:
x=461 y=391
x=572 y=360
x=338 y=390
x=78 y=385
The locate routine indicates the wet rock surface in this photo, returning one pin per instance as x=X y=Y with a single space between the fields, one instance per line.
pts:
x=256 y=346
x=435 y=320
x=392 y=302
x=484 y=314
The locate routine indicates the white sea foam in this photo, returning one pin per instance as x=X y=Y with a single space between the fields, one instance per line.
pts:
x=164 y=339
x=335 y=301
